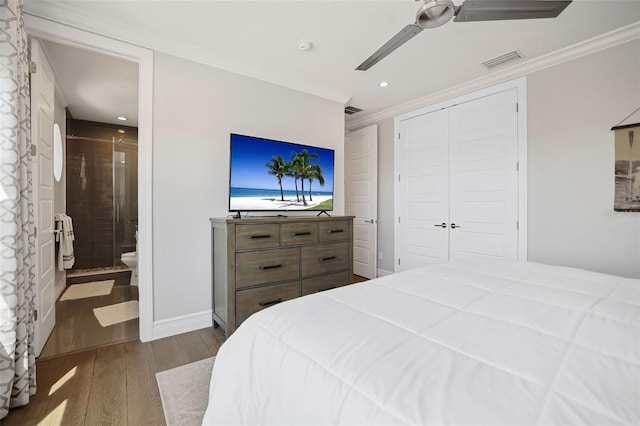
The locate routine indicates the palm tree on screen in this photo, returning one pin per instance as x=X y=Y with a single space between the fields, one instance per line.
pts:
x=294 y=171
x=305 y=168
x=315 y=173
x=278 y=167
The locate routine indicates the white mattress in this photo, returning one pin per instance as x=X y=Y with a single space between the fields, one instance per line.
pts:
x=471 y=342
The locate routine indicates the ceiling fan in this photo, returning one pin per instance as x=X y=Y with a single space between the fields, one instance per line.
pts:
x=434 y=13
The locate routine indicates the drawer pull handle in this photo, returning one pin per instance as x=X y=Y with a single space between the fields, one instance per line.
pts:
x=328 y=288
x=298 y=234
x=324 y=259
x=255 y=237
x=334 y=231
x=272 y=302
x=262 y=268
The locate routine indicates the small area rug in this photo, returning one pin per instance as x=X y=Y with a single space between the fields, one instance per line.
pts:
x=184 y=392
x=120 y=312
x=92 y=289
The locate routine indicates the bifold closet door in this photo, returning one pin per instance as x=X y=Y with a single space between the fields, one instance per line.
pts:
x=483 y=153
x=423 y=190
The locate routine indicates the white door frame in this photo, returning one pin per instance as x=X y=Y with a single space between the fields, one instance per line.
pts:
x=70 y=36
x=520 y=84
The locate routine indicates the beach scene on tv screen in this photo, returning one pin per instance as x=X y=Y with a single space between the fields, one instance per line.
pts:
x=272 y=175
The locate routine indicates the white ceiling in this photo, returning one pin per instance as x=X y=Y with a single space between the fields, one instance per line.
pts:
x=260 y=38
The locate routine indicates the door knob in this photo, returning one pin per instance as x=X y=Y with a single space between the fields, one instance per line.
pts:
x=454 y=226
x=442 y=225
x=370 y=221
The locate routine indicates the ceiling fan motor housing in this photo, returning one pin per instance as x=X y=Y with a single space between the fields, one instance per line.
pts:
x=434 y=13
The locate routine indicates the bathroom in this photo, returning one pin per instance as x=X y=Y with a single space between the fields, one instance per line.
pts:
x=96 y=99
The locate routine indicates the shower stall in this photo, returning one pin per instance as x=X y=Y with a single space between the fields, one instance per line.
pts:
x=102 y=193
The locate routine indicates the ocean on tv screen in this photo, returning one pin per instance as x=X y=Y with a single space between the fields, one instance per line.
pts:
x=246 y=199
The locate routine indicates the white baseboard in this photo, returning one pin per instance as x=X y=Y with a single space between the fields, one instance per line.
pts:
x=383 y=272
x=183 y=324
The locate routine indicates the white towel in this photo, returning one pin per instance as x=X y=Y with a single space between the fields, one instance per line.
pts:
x=64 y=225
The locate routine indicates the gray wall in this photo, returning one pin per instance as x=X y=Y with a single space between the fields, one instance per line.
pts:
x=196 y=107
x=571 y=108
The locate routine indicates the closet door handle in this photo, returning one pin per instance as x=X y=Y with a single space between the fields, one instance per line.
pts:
x=263 y=268
x=272 y=302
x=454 y=226
x=442 y=225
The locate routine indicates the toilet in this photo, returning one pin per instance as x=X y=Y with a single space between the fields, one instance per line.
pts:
x=131 y=260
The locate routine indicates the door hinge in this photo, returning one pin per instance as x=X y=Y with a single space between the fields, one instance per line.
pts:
x=33 y=67
x=398 y=135
x=398 y=261
x=517 y=107
x=518 y=225
x=399 y=221
x=35 y=231
x=398 y=178
x=517 y=166
x=34 y=149
x=35 y=315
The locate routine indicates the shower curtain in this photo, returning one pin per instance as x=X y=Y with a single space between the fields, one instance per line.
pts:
x=17 y=237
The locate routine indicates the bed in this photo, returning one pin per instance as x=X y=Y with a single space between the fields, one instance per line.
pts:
x=471 y=342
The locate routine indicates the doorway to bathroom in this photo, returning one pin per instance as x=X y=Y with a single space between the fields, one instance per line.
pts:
x=98 y=301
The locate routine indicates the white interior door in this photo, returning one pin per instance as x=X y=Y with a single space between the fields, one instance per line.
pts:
x=361 y=182
x=42 y=106
x=423 y=189
x=484 y=177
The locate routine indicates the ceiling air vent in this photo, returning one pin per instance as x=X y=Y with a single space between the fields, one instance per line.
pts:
x=350 y=110
x=499 y=60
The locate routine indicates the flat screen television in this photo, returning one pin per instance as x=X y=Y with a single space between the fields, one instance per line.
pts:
x=269 y=175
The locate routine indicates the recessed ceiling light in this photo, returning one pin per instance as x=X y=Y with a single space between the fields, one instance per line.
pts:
x=384 y=83
x=121 y=118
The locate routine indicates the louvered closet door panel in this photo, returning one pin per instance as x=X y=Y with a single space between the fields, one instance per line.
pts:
x=484 y=177
x=424 y=188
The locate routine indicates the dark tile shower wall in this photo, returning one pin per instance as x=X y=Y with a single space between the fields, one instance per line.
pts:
x=102 y=230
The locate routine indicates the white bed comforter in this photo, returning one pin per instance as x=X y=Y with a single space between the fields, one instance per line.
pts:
x=471 y=342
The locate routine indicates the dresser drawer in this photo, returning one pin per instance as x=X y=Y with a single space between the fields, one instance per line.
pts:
x=266 y=266
x=257 y=236
x=325 y=258
x=337 y=230
x=325 y=282
x=299 y=233
x=252 y=300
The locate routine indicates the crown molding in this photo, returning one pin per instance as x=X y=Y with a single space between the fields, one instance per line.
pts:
x=587 y=47
x=67 y=15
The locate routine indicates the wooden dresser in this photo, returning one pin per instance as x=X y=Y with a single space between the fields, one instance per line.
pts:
x=259 y=262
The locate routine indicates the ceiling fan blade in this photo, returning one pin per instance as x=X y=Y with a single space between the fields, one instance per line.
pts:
x=405 y=34
x=497 y=10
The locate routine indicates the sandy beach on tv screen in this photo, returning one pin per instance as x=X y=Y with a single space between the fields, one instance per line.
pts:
x=266 y=203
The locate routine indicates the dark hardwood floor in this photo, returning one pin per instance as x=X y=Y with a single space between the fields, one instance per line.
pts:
x=113 y=385
x=77 y=328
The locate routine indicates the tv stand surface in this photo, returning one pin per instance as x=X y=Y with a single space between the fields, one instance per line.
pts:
x=260 y=261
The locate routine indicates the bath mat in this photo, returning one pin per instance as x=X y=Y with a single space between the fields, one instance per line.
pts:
x=184 y=392
x=113 y=314
x=92 y=289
